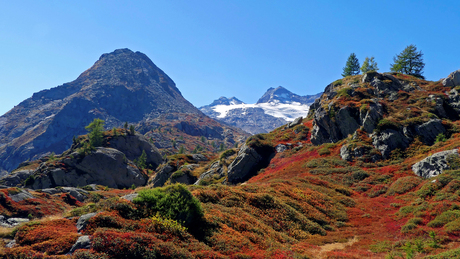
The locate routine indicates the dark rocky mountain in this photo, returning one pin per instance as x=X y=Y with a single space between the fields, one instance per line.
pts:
x=275 y=108
x=122 y=86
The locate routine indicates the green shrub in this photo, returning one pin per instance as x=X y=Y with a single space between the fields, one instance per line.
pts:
x=387 y=124
x=408 y=227
x=444 y=218
x=177 y=174
x=455 y=253
x=427 y=190
x=227 y=153
x=440 y=138
x=174 y=202
x=403 y=185
x=453 y=226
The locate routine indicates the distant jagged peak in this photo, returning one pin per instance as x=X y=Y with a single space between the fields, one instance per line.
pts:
x=281 y=95
x=226 y=101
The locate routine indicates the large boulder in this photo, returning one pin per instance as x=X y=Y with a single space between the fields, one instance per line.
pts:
x=246 y=164
x=389 y=140
x=430 y=130
x=434 y=165
x=452 y=80
x=215 y=171
x=162 y=175
x=83 y=242
x=328 y=128
x=104 y=166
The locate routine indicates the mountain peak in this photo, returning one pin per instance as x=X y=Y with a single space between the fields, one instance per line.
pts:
x=279 y=94
x=122 y=86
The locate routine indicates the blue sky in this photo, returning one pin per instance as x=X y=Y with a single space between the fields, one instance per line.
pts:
x=220 y=47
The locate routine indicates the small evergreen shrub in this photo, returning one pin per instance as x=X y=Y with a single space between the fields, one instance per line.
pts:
x=174 y=202
x=403 y=185
x=444 y=218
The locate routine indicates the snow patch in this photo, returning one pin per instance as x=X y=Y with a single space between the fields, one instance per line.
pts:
x=286 y=111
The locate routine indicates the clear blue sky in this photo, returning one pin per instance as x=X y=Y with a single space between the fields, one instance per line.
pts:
x=220 y=47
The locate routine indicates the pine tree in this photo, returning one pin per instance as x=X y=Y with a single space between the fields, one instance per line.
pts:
x=352 y=66
x=95 y=129
x=131 y=130
x=142 y=161
x=369 y=65
x=409 y=62
x=181 y=149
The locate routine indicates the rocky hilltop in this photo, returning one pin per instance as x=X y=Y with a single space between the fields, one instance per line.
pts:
x=122 y=86
x=275 y=108
x=388 y=112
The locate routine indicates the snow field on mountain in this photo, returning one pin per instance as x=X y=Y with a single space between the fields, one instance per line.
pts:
x=286 y=111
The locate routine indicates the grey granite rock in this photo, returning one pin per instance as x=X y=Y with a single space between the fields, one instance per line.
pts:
x=434 y=165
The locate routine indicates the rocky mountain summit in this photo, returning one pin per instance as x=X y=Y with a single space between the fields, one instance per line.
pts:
x=122 y=86
x=275 y=108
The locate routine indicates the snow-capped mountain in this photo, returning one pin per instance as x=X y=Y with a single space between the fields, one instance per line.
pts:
x=275 y=108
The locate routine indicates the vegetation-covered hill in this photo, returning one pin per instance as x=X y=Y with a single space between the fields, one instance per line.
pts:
x=337 y=184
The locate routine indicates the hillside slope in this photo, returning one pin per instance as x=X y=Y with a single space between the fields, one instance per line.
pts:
x=344 y=185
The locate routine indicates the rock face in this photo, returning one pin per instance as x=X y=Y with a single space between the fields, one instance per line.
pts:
x=176 y=172
x=389 y=140
x=434 y=165
x=452 y=80
x=246 y=164
x=105 y=166
x=275 y=108
x=133 y=146
x=122 y=86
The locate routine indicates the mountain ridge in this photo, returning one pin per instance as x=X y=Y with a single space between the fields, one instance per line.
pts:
x=121 y=86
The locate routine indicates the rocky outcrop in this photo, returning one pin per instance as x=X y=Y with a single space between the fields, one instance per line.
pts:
x=178 y=172
x=434 y=165
x=294 y=123
x=11 y=222
x=214 y=172
x=21 y=195
x=430 y=130
x=16 y=178
x=329 y=128
x=162 y=176
x=84 y=220
x=104 y=166
x=247 y=163
x=183 y=175
x=79 y=194
x=243 y=166
x=83 y=242
x=452 y=80
x=349 y=152
x=133 y=146
x=389 y=140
